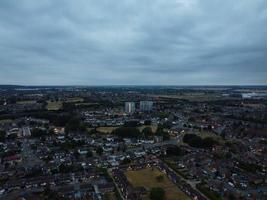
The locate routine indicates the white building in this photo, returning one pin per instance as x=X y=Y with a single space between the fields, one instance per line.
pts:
x=26 y=131
x=146 y=105
x=129 y=107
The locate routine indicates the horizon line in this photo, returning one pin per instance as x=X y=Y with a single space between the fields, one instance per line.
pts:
x=135 y=85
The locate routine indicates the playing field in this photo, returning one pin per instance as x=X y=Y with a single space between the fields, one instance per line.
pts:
x=74 y=100
x=148 y=178
x=26 y=102
x=153 y=127
x=205 y=134
x=106 y=130
x=54 y=105
x=194 y=97
x=3 y=121
x=110 y=196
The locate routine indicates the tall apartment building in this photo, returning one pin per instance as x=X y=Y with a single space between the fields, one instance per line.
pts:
x=146 y=106
x=129 y=107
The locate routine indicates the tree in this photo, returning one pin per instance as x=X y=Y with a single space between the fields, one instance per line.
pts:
x=49 y=194
x=126 y=161
x=37 y=132
x=89 y=154
x=75 y=124
x=174 y=151
x=147 y=122
x=76 y=154
x=65 y=169
x=2 y=136
x=130 y=132
x=99 y=151
x=51 y=131
x=92 y=131
x=231 y=197
x=12 y=100
x=196 y=141
x=147 y=132
x=132 y=123
x=160 y=132
x=208 y=142
x=163 y=115
x=191 y=119
x=157 y=194
x=192 y=140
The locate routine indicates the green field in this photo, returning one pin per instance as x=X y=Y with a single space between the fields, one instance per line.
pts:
x=54 y=105
x=153 y=127
x=57 y=105
x=74 y=100
x=204 y=134
x=26 y=102
x=106 y=130
x=3 y=121
x=148 y=178
x=193 y=96
x=110 y=196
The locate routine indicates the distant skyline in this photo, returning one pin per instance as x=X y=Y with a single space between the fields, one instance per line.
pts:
x=133 y=42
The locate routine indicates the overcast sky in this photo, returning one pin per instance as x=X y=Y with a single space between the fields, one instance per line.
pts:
x=139 y=42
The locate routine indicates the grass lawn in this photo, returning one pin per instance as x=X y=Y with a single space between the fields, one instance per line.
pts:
x=106 y=130
x=204 y=134
x=89 y=129
x=3 y=121
x=110 y=196
x=195 y=96
x=147 y=178
x=153 y=127
x=74 y=100
x=26 y=102
x=54 y=105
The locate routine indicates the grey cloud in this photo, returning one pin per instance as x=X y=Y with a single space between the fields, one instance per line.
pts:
x=133 y=42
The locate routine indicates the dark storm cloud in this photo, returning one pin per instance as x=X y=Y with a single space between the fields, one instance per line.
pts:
x=133 y=42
